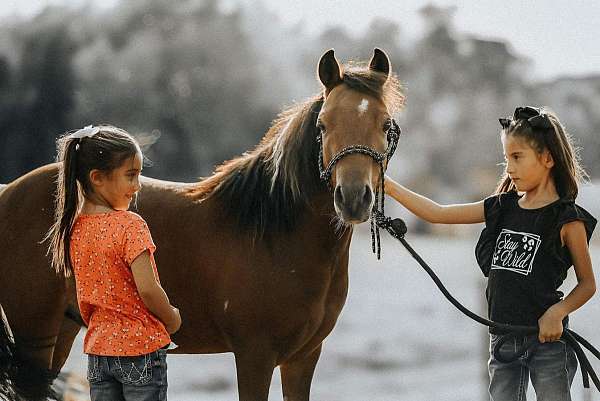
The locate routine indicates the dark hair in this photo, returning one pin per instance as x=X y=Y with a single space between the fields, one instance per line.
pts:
x=567 y=171
x=106 y=150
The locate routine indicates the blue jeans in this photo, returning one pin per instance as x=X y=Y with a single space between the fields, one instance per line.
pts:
x=551 y=368
x=128 y=378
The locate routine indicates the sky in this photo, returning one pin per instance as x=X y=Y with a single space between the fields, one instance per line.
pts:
x=558 y=36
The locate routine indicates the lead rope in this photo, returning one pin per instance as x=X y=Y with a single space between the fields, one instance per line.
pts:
x=397 y=229
x=393 y=137
x=378 y=207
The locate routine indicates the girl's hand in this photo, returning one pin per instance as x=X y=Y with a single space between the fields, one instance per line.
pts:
x=175 y=322
x=550 y=324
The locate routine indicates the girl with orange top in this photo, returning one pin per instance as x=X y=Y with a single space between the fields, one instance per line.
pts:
x=111 y=253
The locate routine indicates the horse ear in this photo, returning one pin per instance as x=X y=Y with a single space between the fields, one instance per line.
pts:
x=329 y=70
x=380 y=62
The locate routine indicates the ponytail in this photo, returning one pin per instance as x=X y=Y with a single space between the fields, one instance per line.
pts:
x=66 y=206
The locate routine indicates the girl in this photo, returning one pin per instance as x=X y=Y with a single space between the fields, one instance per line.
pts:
x=110 y=250
x=534 y=233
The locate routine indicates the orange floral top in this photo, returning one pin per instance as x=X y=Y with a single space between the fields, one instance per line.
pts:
x=102 y=247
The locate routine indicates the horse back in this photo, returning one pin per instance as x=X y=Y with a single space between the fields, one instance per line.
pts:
x=231 y=284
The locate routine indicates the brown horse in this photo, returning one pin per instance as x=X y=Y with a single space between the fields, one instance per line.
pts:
x=255 y=256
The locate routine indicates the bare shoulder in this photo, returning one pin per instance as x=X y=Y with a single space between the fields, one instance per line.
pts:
x=572 y=231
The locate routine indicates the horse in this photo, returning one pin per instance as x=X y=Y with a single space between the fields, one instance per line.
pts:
x=255 y=256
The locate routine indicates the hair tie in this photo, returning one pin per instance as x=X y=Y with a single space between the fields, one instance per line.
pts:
x=542 y=121
x=85 y=132
x=505 y=122
x=534 y=117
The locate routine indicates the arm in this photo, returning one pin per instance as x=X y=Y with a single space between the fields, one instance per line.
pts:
x=426 y=209
x=574 y=237
x=152 y=294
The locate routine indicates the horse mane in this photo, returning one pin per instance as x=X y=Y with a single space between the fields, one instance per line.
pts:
x=267 y=189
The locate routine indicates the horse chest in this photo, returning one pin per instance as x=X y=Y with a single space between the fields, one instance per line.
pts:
x=312 y=311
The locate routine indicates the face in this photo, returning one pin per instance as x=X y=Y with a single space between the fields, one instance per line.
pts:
x=118 y=187
x=347 y=118
x=525 y=166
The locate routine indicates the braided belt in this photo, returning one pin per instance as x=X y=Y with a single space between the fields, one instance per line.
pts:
x=381 y=158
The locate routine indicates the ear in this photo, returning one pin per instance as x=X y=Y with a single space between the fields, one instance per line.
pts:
x=380 y=63
x=329 y=70
x=548 y=159
x=96 y=177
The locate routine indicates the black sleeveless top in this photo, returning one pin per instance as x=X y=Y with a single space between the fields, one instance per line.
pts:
x=520 y=251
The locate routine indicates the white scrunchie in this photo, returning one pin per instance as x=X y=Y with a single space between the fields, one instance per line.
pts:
x=88 y=131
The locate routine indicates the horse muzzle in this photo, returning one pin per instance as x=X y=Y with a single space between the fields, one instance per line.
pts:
x=353 y=203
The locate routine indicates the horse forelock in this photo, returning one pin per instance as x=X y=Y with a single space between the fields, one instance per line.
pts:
x=389 y=89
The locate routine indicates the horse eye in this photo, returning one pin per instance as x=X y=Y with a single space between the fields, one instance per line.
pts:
x=320 y=127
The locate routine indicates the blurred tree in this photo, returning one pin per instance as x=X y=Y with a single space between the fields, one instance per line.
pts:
x=183 y=69
x=8 y=108
x=48 y=81
x=458 y=87
x=40 y=96
x=576 y=102
x=5 y=74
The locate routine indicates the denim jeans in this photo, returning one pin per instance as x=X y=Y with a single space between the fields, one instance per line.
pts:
x=128 y=378
x=551 y=368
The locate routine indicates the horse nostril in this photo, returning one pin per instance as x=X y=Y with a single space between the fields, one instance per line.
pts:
x=339 y=195
x=368 y=195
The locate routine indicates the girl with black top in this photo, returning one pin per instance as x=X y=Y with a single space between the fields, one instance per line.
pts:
x=534 y=233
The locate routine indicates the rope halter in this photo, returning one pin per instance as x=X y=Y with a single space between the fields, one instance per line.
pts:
x=381 y=158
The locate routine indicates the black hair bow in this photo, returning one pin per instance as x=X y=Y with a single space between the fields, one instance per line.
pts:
x=534 y=117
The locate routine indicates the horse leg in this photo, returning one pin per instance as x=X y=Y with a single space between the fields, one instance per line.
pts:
x=32 y=361
x=254 y=365
x=296 y=376
x=66 y=336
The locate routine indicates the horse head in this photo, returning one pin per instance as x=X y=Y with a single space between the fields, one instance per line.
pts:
x=355 y=125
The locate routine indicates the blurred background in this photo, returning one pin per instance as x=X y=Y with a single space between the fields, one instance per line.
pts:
x=199 y=82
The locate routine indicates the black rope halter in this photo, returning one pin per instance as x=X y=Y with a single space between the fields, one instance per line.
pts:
x=381 y=158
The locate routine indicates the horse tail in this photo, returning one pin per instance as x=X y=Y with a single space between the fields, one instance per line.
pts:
x=20 y=380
